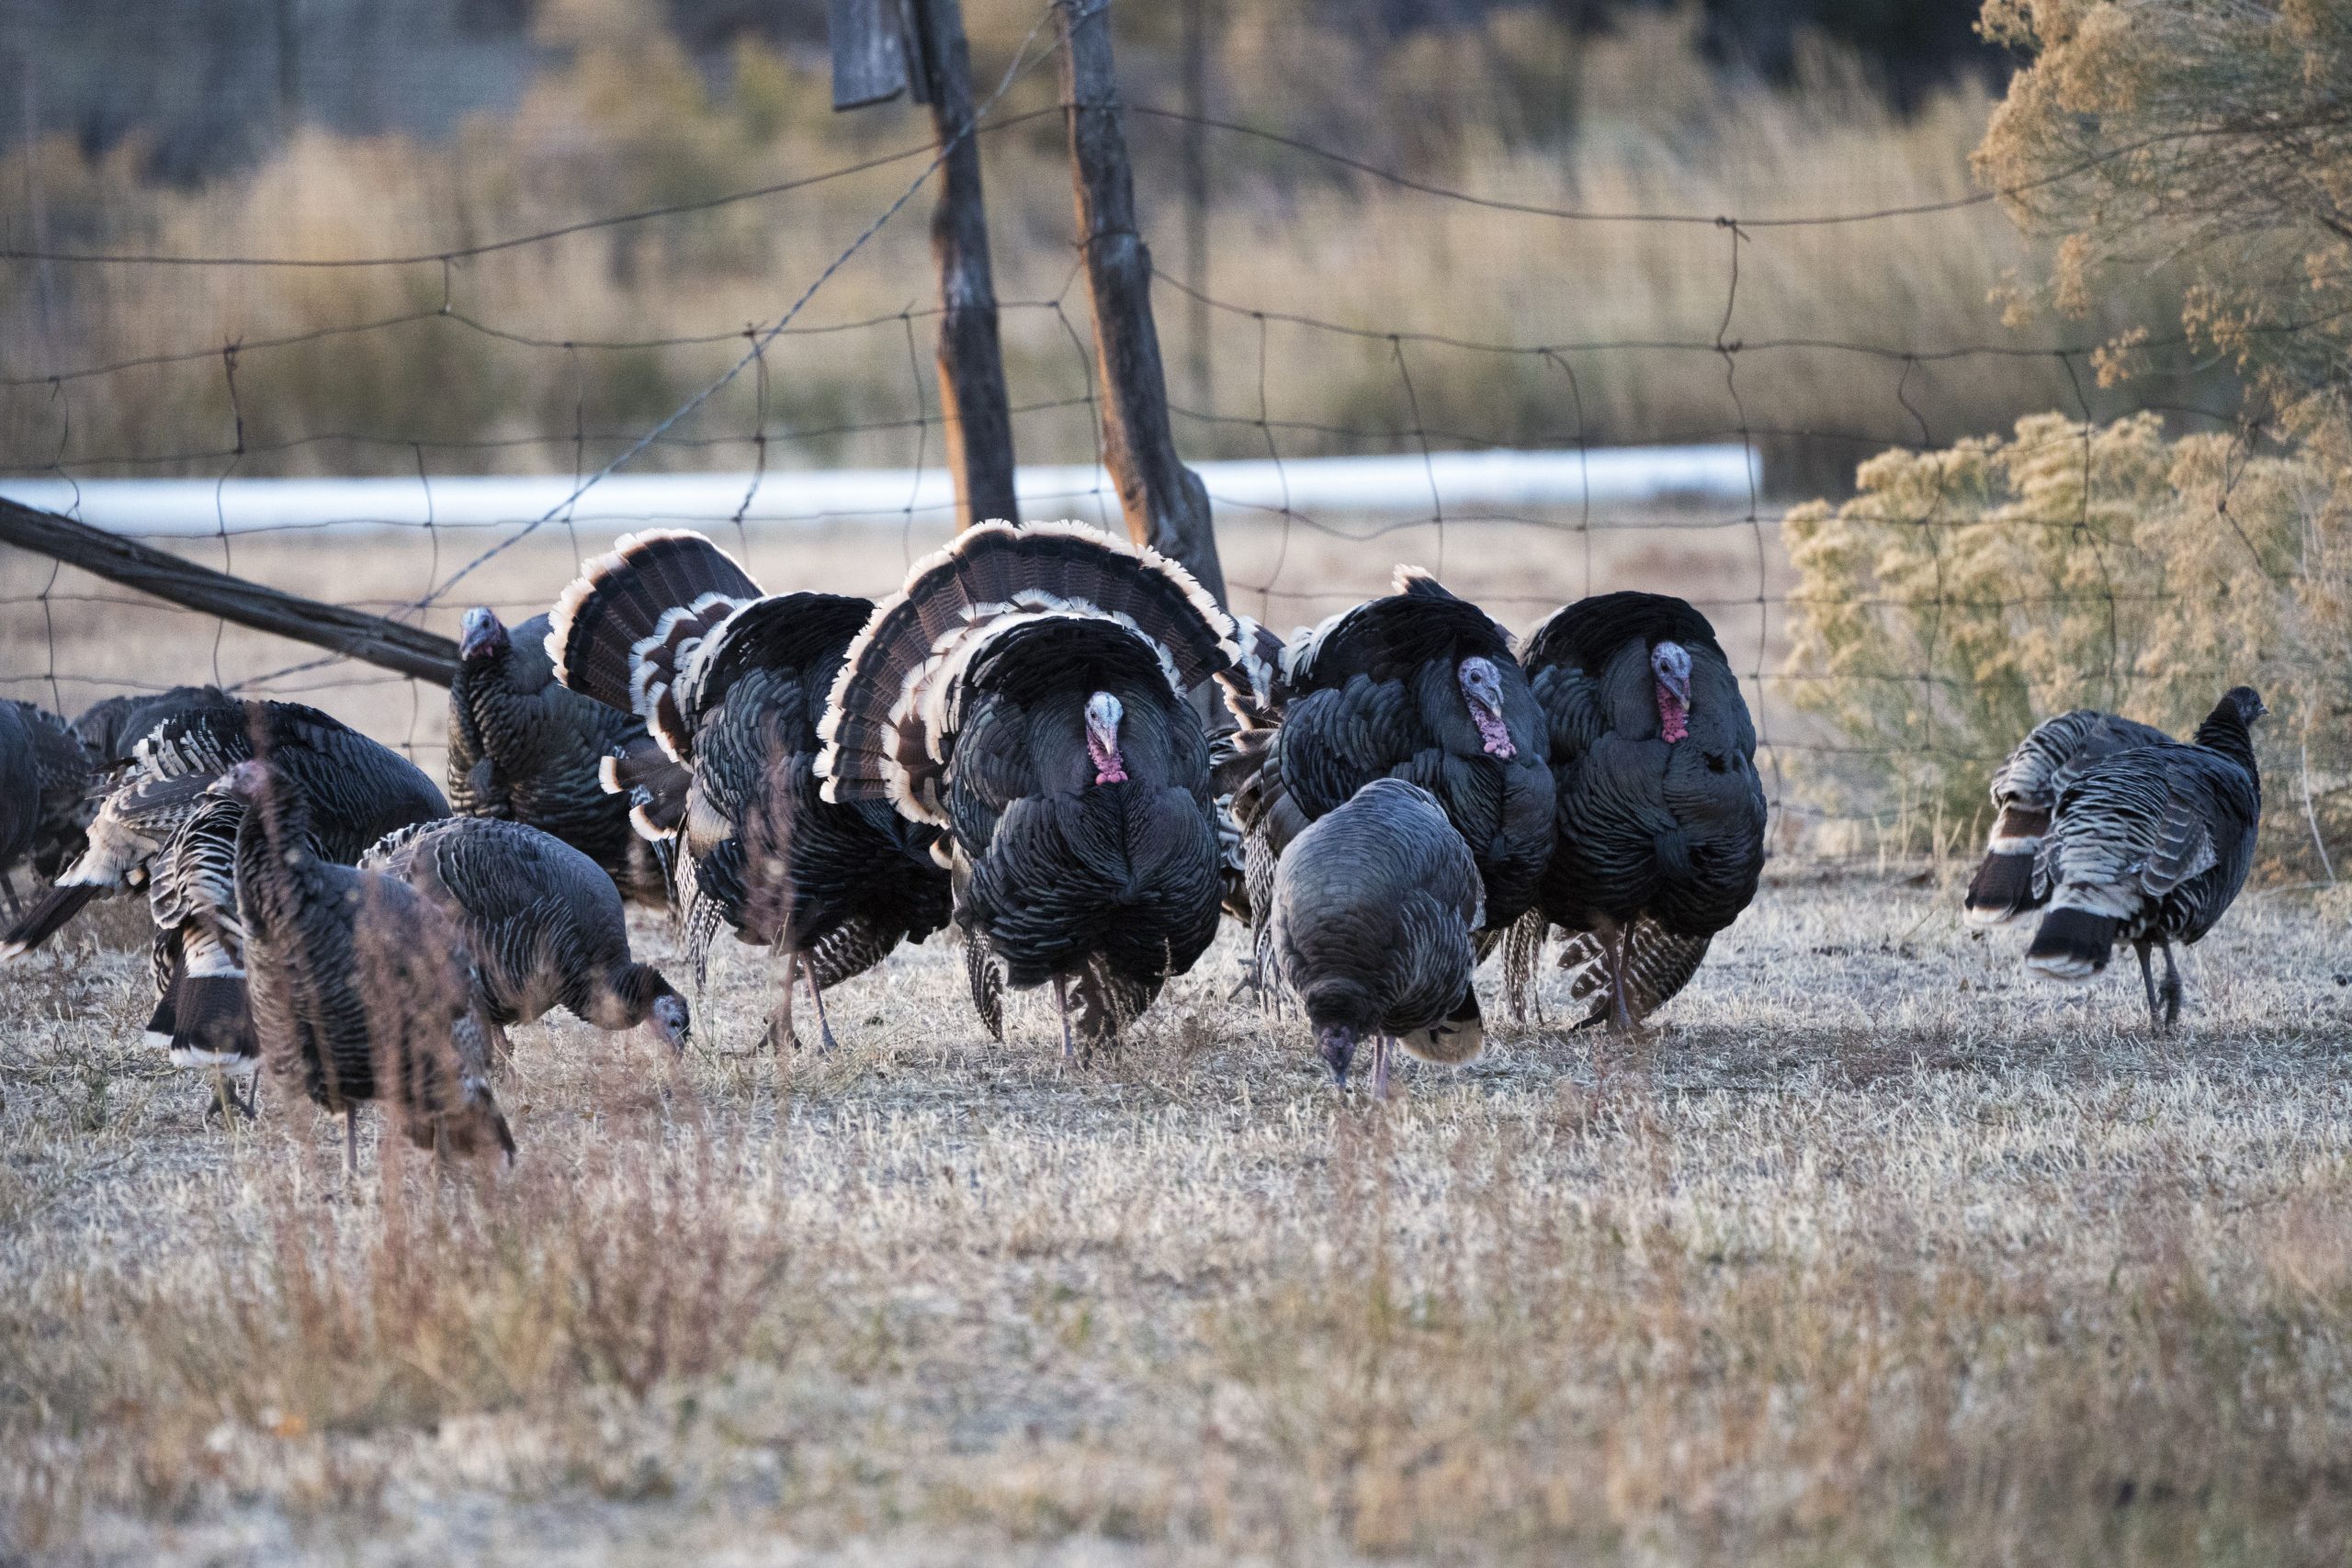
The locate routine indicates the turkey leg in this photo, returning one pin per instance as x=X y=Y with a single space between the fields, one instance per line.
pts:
x=350 y=1143
x=1380 y=1066
x=2148 y=980
x=2170 y=991
x=1061 y=1005
x=1612 y=958
x=815 y=994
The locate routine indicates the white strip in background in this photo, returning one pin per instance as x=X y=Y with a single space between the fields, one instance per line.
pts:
x=1400 y=485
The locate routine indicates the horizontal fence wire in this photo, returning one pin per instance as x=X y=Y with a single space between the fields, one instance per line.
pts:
x=1299 y=564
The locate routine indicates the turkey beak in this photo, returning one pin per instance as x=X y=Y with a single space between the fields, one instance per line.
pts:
x=481 y=634
x=1338 y=1046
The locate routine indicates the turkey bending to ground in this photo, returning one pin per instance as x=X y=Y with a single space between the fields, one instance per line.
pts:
x=64 y=780
x=1028 y=692
x=2025 y=788
x=525 y=749
x=2150 y=846
x=543 y=921
x=1660 y=837
x=1375 y=908
x=113 y=725
x=731 y=684
x=361 y=989
x=155 y=832
x=1419 y=686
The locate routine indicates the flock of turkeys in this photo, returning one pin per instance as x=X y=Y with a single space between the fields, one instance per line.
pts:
x=1015 y=744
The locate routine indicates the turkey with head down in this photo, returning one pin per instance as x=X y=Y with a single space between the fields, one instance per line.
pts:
x=1029 y=692
x=543 y=921
x=2149 y=845
x=1419 y=686
x=1661 y=819
x=1374 y=910
x=360 y=988
x=2025 y=788
x=731 y=682
x=525 y=749
x=158 y=831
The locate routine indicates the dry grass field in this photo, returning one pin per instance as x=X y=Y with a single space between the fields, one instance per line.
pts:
x=1875 y=1251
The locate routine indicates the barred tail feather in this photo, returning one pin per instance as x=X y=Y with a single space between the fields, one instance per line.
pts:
x=1658 y=964
x=2072 y=944
x=45 y=919
x=213 y=1024
x=2002 y=889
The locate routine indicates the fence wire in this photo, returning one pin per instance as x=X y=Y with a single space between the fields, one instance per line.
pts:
x=74 y=640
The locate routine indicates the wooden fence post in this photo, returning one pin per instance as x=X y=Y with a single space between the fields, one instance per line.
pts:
x=1165 y=505
x=973 y=405
x=411 y=650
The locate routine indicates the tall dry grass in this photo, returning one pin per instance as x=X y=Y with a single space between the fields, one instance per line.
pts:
x=1631 y=121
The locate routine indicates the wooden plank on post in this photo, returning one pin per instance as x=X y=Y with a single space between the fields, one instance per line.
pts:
x=868 y=41
x=411 y=650
x=972 y=358
x=1165 y=505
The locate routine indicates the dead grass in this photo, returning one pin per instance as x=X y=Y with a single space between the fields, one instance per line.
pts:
x=1877 y=1251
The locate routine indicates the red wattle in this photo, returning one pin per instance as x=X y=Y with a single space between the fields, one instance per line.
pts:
x=1673 y=718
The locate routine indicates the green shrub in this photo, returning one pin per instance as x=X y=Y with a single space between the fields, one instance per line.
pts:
x=1962 y=595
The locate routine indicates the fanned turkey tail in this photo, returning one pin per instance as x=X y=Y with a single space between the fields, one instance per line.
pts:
x=894 y=703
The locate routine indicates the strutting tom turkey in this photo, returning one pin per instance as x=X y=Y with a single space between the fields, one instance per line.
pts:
x=1419 y=686
x=1661 y=814
x=731 y=682
x=1028 y=692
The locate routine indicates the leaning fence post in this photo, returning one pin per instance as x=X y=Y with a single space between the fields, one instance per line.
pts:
x=1165 y=505
x=411 y=650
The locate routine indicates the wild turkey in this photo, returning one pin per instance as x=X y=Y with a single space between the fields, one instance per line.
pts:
x=2150 y=846
x=64 y=779
x=1660 y=837
x=147 y=836
x=112 y=727
x=361 y=989
x=525 y=749
x=2025 y=788
x=1028 y=690
x=1419 y=686
x=20 y=803
x=543 y=921
x=731 y=684
x=1374 y=909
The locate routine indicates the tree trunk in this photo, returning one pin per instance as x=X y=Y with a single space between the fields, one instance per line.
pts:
x=1165 y=505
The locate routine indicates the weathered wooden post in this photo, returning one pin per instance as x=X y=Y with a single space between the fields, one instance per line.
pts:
x=881 y=48
x=1165 y=505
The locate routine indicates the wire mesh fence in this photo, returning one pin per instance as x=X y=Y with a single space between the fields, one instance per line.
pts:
x=74 y=640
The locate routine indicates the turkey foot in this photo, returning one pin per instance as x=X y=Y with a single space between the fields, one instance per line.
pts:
x=825 y=1040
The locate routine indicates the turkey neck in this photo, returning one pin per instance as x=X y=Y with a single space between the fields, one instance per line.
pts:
x=2225 y=732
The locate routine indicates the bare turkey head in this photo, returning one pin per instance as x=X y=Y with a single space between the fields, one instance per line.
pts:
x=1482 y=692
x=250 y=781
x=481 y=635
x=1670 y=671
x=1103 y=713
x=670 y=1021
